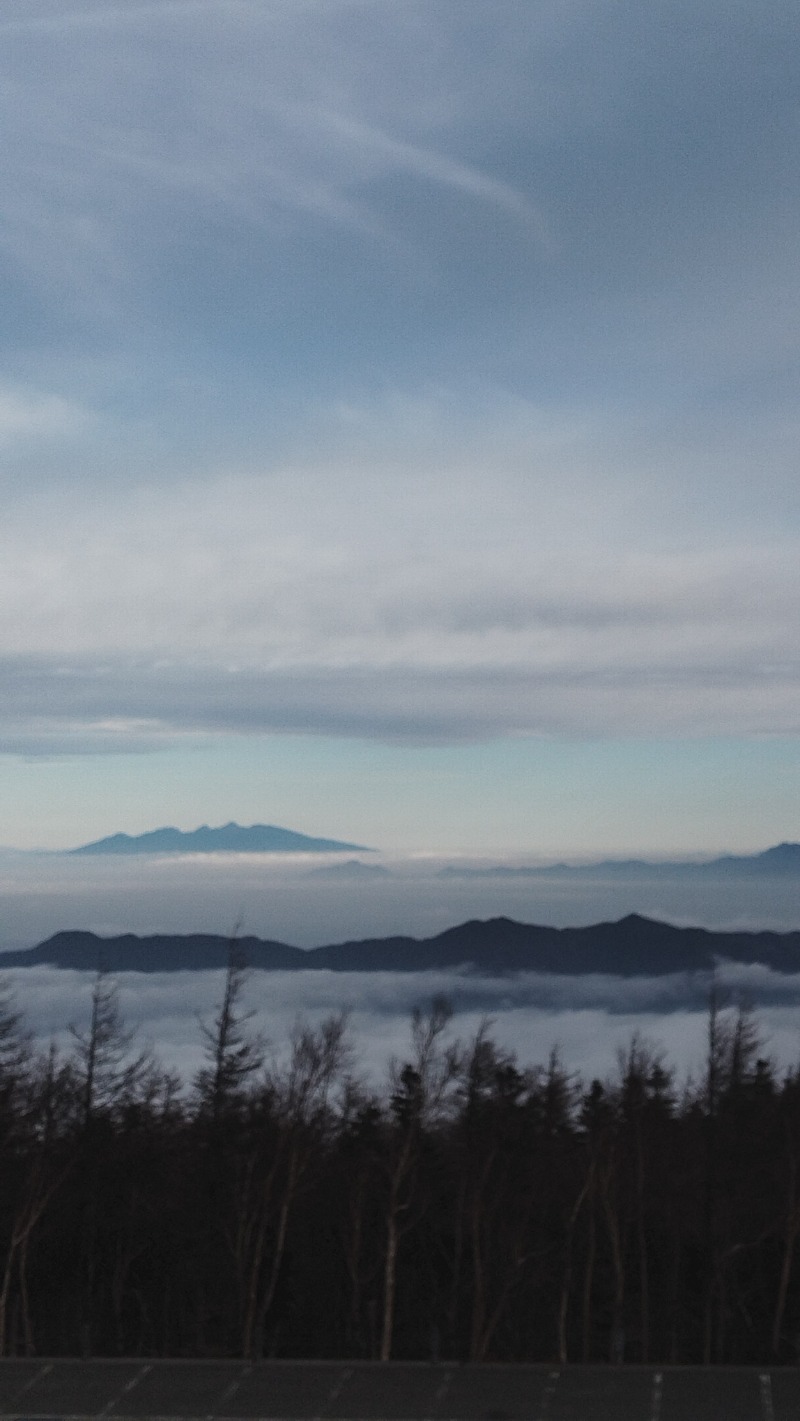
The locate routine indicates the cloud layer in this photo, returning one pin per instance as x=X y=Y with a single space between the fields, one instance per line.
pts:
x=250 y=605
x=586 y=1021
x=414 y=374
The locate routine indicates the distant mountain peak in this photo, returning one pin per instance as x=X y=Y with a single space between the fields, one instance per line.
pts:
x=229 y=838
x=785 y=852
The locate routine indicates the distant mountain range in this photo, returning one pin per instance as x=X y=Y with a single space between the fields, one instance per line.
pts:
x=352 y=869
x=228 y=839
x=782 y=859
x=634 y=946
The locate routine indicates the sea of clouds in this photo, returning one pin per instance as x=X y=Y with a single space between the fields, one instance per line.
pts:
x=588 y=1020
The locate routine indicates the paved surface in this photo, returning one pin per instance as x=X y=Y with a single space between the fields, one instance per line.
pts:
x=362 y=1391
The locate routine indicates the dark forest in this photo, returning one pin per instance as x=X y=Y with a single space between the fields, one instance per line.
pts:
x=475 y=1208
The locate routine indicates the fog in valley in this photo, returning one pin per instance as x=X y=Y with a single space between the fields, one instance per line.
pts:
x=586 y=1020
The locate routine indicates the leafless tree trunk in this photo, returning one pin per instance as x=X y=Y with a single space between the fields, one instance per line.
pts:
x=641 y=1232
x=791 y=1230
x=588 y=1276
x=301 y=1094
x=617 y=1338
x=421 y=1091
x=394 y=1210
x=28 y=1216
x=566 y=1279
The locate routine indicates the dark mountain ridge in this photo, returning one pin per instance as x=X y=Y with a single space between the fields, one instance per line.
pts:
x=634 y=946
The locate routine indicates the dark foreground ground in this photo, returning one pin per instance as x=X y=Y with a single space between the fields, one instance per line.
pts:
x=394 y=1392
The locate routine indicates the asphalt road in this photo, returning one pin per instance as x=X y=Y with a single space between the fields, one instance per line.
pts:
x=399 y=1391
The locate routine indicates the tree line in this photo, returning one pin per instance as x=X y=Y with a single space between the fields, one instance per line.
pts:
x=472 y=1208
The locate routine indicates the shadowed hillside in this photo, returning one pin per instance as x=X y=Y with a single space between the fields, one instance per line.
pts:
x=634 y=946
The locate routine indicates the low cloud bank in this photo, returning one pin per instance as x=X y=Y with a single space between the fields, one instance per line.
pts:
x=588 y=1019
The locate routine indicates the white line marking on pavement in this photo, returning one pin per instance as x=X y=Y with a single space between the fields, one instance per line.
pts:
x=38 y=1376
x=442 y=1388
x=655 y=1404
x=140 y=1375
x=231 y=1390
x=440 y=1394
x=343 y=1377
x=766 y=1396
x=547 y=1396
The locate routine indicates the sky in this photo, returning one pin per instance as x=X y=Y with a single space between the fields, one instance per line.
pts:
x=398 y=422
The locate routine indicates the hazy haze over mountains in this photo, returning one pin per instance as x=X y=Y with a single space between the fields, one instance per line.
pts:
x=781 y=859
x=309 y=898
x=234 y=838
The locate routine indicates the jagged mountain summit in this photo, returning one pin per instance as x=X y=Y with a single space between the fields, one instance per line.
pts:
x=228 y=839
x=633 y=947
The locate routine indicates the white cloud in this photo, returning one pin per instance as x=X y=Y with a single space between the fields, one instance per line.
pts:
x=27 y=415
x=508 y=578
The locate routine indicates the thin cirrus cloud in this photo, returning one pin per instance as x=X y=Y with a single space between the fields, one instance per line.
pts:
x=206 y=125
